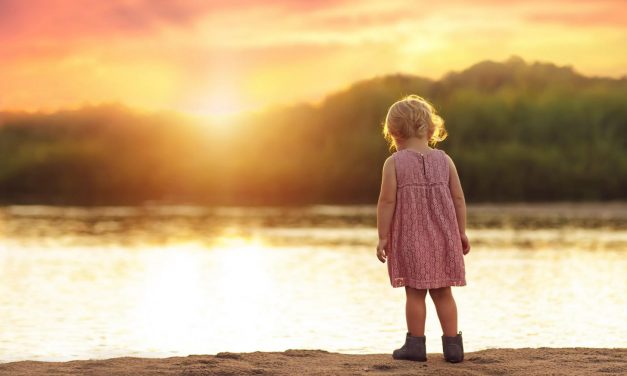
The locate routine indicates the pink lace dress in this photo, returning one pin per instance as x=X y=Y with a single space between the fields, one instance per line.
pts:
x=425 y=249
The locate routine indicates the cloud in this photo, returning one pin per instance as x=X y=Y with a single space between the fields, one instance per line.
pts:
x=62 y=18
x=598 y=16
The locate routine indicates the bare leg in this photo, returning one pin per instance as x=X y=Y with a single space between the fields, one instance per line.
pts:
x=415 y=311
x=446 y=308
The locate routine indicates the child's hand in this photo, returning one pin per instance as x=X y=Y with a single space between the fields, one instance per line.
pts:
x=381 y=249
x=465 y=244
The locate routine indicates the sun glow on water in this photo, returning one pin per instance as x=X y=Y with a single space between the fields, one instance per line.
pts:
x=236 y=271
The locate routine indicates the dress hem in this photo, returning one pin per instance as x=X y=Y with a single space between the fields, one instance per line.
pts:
x=402 y=282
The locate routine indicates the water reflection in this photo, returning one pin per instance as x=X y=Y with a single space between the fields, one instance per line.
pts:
x=96 y=283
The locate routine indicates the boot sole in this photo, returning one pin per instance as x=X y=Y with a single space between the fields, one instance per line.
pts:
x=412 y=359
x=415 y=359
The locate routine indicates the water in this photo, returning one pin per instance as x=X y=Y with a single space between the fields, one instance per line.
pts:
x=155 y=281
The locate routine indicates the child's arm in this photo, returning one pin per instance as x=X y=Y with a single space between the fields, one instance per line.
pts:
x=386 y=206
x=460 y=204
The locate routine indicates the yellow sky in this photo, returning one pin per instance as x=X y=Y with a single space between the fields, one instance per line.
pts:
x=221 y=56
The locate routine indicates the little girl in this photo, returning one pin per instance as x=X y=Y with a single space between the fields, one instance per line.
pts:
x=421 y=219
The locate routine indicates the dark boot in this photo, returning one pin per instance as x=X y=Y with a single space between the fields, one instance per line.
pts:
x=453 y=348
x=413 y=349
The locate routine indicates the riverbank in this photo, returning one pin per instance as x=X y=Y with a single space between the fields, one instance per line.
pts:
x=527 y=361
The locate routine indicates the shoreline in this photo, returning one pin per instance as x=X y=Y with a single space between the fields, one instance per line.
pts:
x=523 y=361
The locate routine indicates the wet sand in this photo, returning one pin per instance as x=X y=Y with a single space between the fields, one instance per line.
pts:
x=539 y=361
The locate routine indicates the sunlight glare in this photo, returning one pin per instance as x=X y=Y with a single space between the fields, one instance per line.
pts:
x=239 y=274
x=169 y=310
x=221 y=105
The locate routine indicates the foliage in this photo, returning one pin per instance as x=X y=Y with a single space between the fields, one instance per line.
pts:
x=517 y=132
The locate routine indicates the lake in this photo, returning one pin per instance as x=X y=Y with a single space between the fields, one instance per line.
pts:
x=156 y=281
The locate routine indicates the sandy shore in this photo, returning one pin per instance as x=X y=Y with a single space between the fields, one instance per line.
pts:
x=541 y=361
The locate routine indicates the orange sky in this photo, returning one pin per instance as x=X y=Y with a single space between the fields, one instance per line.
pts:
x=222 y=56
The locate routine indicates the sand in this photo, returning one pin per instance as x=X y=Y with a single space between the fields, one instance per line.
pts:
x=540 y=361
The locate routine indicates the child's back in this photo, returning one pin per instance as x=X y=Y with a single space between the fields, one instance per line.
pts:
x=425 y=250
x=421 y=220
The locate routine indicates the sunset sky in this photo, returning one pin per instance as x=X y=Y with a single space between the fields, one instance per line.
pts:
x=223 y=56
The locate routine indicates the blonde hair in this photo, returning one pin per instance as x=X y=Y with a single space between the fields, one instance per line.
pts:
x=413 y=116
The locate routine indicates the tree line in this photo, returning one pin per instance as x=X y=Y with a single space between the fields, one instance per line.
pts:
x=518 y=131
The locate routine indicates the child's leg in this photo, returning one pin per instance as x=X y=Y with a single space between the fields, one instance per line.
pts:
x=415 y=311
x=446 y=308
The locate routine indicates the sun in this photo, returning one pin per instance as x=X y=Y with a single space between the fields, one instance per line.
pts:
x=221 y=105
x=222 y=112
